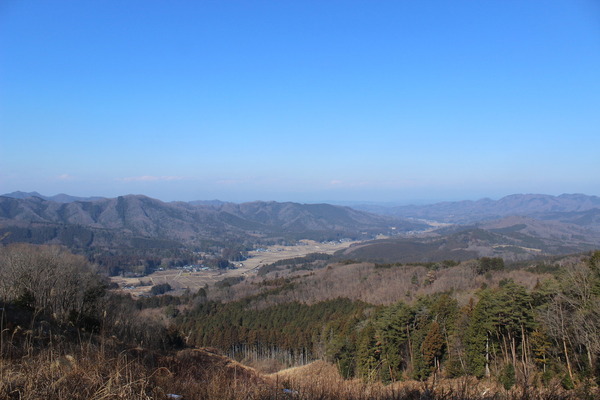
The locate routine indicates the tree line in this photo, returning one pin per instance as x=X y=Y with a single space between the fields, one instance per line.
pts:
x=508 y=332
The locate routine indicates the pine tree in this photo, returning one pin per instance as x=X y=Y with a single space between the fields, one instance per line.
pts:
x=392 y=331
x=369 y=352
x=478 y=337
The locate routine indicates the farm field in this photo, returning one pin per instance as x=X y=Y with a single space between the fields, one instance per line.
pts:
x=182 y=280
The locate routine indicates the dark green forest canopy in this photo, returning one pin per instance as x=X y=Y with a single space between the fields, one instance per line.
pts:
x=289 y=326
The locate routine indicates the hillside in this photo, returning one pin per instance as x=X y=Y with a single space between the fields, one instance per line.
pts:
x=379 y=331
x=125 y=220
x=511 y=238
x=516 y=227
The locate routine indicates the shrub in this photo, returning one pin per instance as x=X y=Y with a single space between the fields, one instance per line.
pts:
x=160 y=289
x=507 y=376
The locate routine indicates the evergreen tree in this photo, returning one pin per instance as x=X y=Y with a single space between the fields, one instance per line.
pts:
x=478 y=338
x=369 y=352
x=392 y=330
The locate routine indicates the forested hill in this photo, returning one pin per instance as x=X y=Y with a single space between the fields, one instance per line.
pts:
x=141 y=216
x=523 y=239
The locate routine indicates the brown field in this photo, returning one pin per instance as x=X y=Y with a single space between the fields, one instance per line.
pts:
x=182 y=280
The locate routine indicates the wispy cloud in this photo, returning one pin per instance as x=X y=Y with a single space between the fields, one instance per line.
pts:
x=65 y=177
x=150 y=178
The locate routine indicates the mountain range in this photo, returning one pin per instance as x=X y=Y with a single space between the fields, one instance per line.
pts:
x=512 y=238
x=98 y=222
x=514 y=227
x=567 y=207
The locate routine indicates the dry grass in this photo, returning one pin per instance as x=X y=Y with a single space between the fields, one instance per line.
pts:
x=321 y=380
x=91 y=372
x=83 y=374
x=100 y=369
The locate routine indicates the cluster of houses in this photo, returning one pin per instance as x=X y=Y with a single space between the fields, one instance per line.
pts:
x=263 y=250
x=194 y=268
x=343 y=240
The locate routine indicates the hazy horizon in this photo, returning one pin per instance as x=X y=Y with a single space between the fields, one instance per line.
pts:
x=349 y=203
x=352 y=101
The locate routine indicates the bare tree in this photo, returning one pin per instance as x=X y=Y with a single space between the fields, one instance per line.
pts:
x=48 y=279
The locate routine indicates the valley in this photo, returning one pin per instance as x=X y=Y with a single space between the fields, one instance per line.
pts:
x=386 y=306
x=181 y=280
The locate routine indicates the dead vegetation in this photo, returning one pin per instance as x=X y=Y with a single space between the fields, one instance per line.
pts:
x=99 y=371
x=368 y=283
x=321 y=380
x=91 y=371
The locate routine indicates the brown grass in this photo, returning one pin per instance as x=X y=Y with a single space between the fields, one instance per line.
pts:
x=321 y=380
x=100 y=369
x=90 y=372
x=83 y=374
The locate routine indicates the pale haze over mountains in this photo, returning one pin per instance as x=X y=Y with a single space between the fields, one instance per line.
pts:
x=514 y=227
x=466 y=211
x=386 y=101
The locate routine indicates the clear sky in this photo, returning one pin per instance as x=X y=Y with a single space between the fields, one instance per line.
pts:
x=300 y=100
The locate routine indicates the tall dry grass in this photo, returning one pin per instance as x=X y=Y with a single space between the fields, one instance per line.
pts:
x=100 y=368
x=321 y=380
x=89 y=372
x=78 y=373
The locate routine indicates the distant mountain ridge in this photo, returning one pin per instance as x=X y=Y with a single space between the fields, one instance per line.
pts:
x=467 y=211
x=514 y=227
x=513 y=238
x=137 y=216
x=59 y=198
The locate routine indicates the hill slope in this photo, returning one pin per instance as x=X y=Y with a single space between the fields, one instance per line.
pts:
x=100 y=221
x=512 y=238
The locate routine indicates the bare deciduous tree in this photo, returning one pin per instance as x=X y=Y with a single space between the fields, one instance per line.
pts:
x=48 y=279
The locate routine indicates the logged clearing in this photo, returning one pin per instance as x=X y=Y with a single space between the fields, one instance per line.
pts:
x=180 y=279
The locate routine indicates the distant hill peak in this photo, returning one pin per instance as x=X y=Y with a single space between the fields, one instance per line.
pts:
x=59 y=198
x=23 y=195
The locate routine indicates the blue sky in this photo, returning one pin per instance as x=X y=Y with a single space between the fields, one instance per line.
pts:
x=306 y=101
